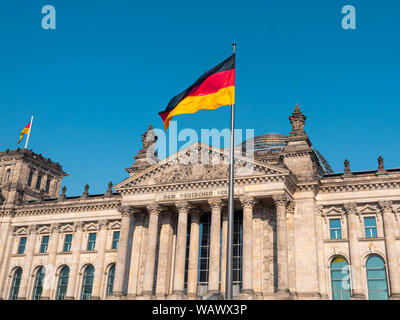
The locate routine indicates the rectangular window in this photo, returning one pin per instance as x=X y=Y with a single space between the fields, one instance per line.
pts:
x=335 y=229
x=45 y=244
x=91 y=241
x=370 y=227
x=115 y=240
x=30 y=177
x=67 y=243
x=39 y=181
x=21 y=246
x=47 y=184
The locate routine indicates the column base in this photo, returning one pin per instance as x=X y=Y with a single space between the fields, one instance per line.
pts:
x=307 y=296
x=246 y=295
x=21 y=298
x=394 y=296
x=213 y=295
x=69 y=298
x=177 y=295
x=45 y=298
x=283 y=294
x=146 y=295
x=358 y=296
x=95 y=298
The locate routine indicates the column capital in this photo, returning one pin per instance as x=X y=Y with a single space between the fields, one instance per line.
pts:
x=195 y=214
x=102 y=224
x=247 y=202
x=386 y=206
x=350 y=208
x=280 y=199
x=216 y=203
x=78 y=226
x=126 y=211
x=55 y=228
x=153 y=208
x=182 y=206
x=32 y=229
x=290 y=207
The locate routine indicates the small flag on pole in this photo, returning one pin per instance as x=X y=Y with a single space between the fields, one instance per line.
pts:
x=214 y=89
x=26 y=130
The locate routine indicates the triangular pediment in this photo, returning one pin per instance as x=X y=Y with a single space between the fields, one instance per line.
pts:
x=198 y=162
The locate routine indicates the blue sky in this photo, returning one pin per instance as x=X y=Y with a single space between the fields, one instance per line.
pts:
x=96 y=82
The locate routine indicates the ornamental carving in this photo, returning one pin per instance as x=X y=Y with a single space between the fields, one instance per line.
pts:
x=350 y=208
x=78 y=226
x=247 y=202
x=182 y=206
x=290 y=208
x=153 y=208
x=280 y=199
x=32 y=229
x=55 y=227
x=102 y=224
x=215 y=204
x=126 y=211
x=386 y=206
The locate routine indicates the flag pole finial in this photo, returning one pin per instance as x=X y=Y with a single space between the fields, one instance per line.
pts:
x=234 y=47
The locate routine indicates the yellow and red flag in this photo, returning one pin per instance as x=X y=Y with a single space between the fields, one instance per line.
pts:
x=214 y=89
x=25 y=131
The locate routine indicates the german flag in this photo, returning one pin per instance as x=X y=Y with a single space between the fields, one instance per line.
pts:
x=214 y=89
x=24 y=131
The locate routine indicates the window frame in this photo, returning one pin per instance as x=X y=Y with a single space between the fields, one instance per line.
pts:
x=15 y=284
x=91 y=241
x=20 y=244
x=336 y=230
x=370 y=228
x=44 y=246
x=60 y=285
x=113 y=246
x=69 y=243
x=38 y=284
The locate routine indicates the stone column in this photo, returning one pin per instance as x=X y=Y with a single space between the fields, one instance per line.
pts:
x=193 y=253
x=154 y=210
x=281 y=201
x=26 y=274
x=99 y=264
x=51 y=264
x=290 y=239
x=213 y=277
x=320 y=252
x=163 y=266
x=392 y=257
x=76 y=253
x=183 y=208
x=34 y=179
x=247 y=257
x=136 y=255
x=120 y=266
x=224 y=248
x=353 y=223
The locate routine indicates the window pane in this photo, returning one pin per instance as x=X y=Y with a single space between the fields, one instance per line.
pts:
x=376 y=276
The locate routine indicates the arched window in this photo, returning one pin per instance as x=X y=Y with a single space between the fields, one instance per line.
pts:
x=376 y=276
x=110 y=280
x=87 y=283
x=38 y=288
x=15 y=284
x=7 y=176
x=340 y=278
x=62 y=283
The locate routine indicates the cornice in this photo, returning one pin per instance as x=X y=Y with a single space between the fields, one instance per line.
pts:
x=360 y=187
x=59 y=208
x=202 y=184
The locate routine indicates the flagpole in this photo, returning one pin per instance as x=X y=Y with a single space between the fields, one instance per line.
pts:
x=29 y=133
x=229 y=254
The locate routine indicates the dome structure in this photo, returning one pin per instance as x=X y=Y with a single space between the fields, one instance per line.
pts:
x=276 y=142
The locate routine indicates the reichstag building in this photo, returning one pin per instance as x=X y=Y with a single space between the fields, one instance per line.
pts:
x=301 y=231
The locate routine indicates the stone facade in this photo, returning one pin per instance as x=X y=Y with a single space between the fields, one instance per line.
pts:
x=172 y=224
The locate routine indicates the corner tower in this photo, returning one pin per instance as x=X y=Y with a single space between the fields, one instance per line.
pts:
x=25 y=175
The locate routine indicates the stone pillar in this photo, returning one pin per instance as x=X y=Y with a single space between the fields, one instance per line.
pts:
x=51 y=264
x=320 y=252
x=281 y=201
x=99 y=264
x=224 y=248
x=392 y=257
x=247 y=257
x=213 y=277
x=34 y=179
x=290 y=237
x=76 y=253
x=193 y=253
x=353 y=223
x=183 y=208
x=26 y=274
x=120 y=266
x=258 y=254
x=154 y=210
x=137 y=257
x=164 y=255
